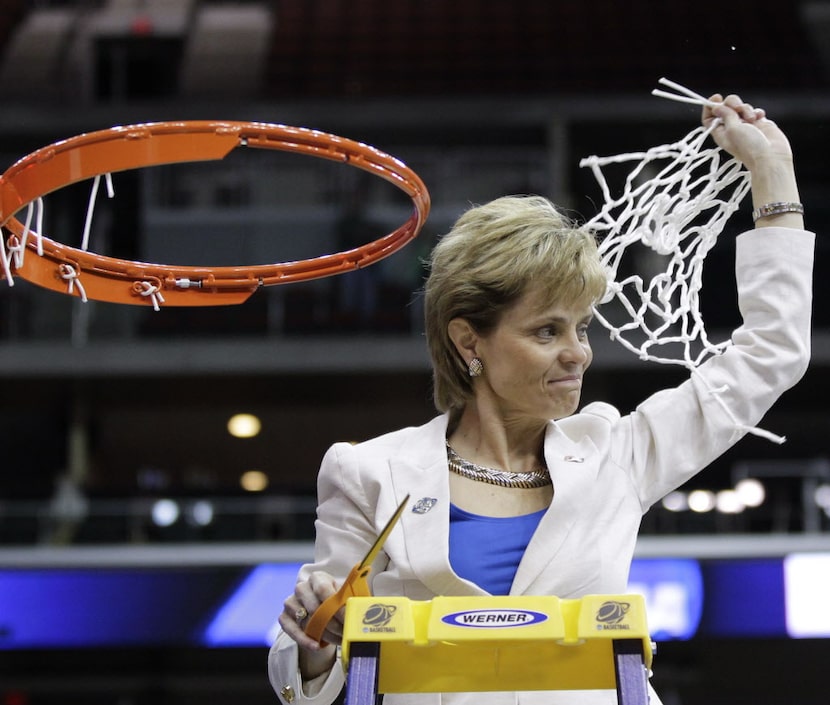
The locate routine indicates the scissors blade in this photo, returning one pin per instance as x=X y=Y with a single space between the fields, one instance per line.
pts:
x=355 y=583
x=370 y=556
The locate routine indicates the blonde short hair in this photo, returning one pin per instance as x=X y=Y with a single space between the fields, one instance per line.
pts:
x=493 y=254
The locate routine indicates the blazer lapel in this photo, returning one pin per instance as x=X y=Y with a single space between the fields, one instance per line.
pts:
x=420 y=470
x=573 y=467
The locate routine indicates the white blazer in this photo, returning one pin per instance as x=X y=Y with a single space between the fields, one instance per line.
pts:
x=607 y=470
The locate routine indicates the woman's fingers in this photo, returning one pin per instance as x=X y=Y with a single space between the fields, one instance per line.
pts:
x=744 y=130
x=290 y=626
x=298 y=608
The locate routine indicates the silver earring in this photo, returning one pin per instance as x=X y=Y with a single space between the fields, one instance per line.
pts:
x=475 y=368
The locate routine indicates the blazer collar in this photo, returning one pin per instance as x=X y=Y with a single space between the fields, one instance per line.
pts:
x=420 y=470
x=573 y=467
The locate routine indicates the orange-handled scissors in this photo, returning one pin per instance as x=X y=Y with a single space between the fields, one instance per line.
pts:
x=355 y=584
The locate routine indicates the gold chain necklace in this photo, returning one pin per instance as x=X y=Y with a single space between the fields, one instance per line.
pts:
x=492 y=476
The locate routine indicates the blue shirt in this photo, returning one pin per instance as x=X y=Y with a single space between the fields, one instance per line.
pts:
x=487 y=550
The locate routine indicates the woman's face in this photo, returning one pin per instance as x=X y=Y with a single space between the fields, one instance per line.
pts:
x=535 y=358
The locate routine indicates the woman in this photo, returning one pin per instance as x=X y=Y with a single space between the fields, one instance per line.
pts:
x=512 y=491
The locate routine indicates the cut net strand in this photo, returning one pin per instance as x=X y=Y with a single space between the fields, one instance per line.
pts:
x=661 y=222
x=17 y=245
x=91 y=206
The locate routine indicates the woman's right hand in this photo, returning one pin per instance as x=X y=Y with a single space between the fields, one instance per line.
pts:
x=747 y=134
x=308 y=596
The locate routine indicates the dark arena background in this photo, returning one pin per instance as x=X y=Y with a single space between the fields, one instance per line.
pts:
x=145 y=550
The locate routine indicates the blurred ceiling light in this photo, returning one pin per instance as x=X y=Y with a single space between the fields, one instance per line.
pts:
x=254 y=481
x=751 y=492
x=822 y=496
x=676 y=501
x=728 y=502
x=701 y=501
x=165 y=512
x=244 y=425
x=200 y=513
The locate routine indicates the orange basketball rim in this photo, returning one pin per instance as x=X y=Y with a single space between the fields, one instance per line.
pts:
x=43 y=261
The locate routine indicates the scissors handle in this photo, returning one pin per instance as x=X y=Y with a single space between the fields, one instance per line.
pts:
x=354 y=586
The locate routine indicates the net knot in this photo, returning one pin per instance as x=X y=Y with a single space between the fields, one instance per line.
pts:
x=153 y=291
x=16 y=249
x=72 y=276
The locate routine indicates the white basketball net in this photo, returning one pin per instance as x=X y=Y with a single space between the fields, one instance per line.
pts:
x=674 y=203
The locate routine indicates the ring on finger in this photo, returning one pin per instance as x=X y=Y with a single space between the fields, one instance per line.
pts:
x=300 y=614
